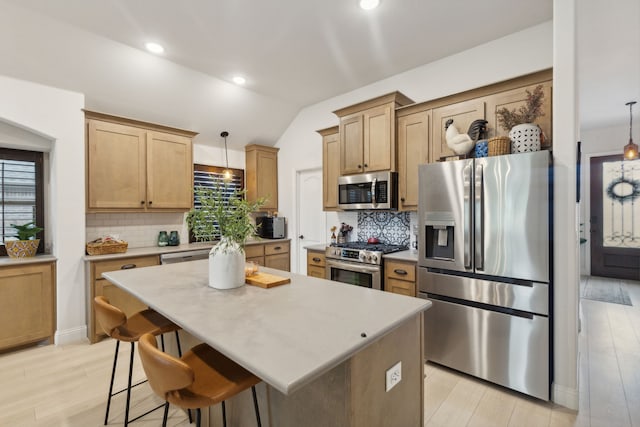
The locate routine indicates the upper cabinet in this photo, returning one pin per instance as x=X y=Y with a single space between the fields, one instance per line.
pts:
x=414 y=140
x=463 y=114
x=513 y=99
x=261 y=171
x=134 y=166
x=330 y=167
x=367 y=134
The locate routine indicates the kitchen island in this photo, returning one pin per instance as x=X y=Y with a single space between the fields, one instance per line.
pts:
x=322 y=348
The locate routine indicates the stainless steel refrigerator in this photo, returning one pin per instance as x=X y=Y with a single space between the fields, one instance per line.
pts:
x=485 y=263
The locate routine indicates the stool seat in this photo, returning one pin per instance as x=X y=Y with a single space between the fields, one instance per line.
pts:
x=200 y=378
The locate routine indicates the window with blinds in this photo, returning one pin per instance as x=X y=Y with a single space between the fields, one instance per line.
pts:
x=213 y=177
x=21 y=192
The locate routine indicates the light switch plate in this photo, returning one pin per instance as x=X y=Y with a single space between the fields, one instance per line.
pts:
x=394 y=375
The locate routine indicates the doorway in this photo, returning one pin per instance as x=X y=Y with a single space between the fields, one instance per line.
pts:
x=615 y=217
x=311 y=219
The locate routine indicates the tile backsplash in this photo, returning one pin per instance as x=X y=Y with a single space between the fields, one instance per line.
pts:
x=138 y=229
x=389 y=227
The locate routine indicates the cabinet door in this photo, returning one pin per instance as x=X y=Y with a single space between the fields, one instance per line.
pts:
x=330 y=171
x=315 y=271
x=116 y=171
x=27 y=304
x=400 y=287
x=169 y=171
x=378 y=147
x=463 y=114
x=513 y=100
x=413 y=150
x=279 y=262
x=351 y=144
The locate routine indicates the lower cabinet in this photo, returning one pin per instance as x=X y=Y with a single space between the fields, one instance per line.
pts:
x=27 y=303
x=273 y=255
x=316 y=264
x=400 y=277
x=100 y=286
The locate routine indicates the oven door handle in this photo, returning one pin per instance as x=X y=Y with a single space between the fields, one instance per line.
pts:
x=360 y=268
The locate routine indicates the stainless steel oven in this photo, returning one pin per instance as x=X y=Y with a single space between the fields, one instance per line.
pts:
x=354 y=273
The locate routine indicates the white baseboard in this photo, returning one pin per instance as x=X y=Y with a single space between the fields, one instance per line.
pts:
x=565 y=396
x=70 y=336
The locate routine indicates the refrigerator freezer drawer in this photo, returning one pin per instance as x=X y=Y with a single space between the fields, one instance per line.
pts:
x=507 y=350
x=532 y=299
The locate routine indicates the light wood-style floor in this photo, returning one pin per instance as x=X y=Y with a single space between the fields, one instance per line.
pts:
x=67 y=385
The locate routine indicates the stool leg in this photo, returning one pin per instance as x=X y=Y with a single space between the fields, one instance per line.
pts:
x=255 y=405
x=113 y=374
x=166 y=412
x=126 y=411
x=162 y=341
x=224 y=415
x=178 y=342
x=198 y=415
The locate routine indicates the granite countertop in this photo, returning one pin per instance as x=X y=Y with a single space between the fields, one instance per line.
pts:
x=159 y=250
x=8 y=261
x=287 y=335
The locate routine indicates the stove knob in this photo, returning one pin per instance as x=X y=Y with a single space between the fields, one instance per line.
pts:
x=362 y=257
x=374 y=259
x=369 y=257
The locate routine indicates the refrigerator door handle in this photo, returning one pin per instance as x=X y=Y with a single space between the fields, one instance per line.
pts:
x=466 y=179
x=479 y=216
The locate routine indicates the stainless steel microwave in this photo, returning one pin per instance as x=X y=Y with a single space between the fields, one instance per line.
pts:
x=376 y=190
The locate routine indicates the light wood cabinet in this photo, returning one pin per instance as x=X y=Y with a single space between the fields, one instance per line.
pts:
x=330 y=167
x=463 y=114
x=512 y=100
x=367 y=134
x=273 y=255
x=414 y=138
x=316 y=263
x=27 y=303
x=261 y=170
x=400 y=277
x=99 y=286
x=134 y=166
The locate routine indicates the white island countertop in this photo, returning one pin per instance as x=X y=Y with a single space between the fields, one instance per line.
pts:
x=287 y=335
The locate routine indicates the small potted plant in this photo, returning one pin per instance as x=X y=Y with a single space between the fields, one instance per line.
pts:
x=523 y=132
x=231 y=218
x=26 y=244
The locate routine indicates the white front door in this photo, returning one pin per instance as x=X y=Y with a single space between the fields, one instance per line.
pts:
x=311 y=219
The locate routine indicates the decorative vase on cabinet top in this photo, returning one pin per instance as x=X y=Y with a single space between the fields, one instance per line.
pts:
x=524 y=138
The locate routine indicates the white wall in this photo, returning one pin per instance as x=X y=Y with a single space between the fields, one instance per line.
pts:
x=57 y=116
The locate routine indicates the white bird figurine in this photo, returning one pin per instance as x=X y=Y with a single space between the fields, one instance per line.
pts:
x=463 y=143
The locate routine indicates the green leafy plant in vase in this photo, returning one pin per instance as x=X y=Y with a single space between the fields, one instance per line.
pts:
x=26 y=244
x=230 y=218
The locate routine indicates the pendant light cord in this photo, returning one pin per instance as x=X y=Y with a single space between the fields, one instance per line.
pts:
x=630 y=104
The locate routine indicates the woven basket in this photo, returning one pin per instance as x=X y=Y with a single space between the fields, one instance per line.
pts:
x=106 y=248
x=499 y=145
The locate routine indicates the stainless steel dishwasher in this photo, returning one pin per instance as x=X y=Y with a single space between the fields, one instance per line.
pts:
x=192 y=255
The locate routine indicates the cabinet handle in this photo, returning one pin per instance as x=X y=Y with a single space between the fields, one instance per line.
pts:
x=150 y=202
x=359 y=166
x=128 y=266
x=277 y=248
x=316 y=259
x=142 y=202
x=366 y=165
x=400 y=271
x=402 y=199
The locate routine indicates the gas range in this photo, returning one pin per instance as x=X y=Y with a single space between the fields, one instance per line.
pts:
x=362 y=252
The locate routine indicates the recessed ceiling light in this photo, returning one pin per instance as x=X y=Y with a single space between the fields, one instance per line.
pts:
x=369 y=4
x=239 y=80
x=154 y=47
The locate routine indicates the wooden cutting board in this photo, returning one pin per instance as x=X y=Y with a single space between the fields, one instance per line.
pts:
x=265 y=280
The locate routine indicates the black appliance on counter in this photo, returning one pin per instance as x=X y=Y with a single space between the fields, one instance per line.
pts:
x=271 y=227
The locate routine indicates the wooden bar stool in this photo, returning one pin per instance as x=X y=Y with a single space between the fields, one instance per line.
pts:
x=116 y=324
x=200 y=378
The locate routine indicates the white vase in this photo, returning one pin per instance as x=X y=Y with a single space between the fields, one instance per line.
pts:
x=525 y=138
x=226 y=265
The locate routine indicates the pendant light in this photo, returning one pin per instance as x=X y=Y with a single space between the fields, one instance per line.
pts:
x=227 y=174
x=631 y=149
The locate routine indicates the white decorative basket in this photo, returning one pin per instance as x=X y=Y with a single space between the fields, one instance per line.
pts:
x=525 y=138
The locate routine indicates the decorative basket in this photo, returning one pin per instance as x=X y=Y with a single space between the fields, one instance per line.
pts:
x=499 y=145
x=21 y=248
x=105 y=248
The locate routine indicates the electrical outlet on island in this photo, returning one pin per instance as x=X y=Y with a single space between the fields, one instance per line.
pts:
x=394 y=375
